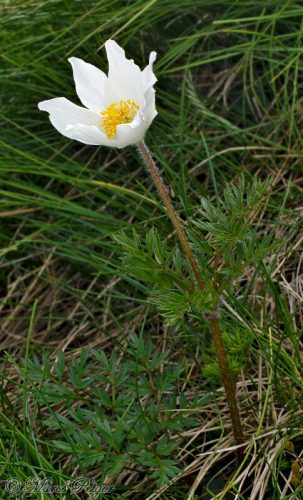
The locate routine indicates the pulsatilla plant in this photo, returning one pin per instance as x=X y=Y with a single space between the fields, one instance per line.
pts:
x=224 y=242
x=217 y=244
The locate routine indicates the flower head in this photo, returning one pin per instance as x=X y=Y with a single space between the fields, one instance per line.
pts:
x=119 y=107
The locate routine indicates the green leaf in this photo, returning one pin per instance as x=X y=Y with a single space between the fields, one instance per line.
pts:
x=172 y=303
x=166 y=471
x=155 y=246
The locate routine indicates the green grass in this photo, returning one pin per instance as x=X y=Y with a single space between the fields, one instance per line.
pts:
x=229 y=97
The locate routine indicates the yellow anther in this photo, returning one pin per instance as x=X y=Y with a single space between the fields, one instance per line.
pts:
x=116 y=114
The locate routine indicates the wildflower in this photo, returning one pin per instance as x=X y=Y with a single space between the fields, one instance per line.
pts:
x=119 y=108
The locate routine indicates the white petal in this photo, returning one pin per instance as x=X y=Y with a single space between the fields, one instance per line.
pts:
x=91 y=84
x=73 y=121
x=124 y=76
x=131 y=133
x=148 y=77
x=90 y=134
x=149 y=109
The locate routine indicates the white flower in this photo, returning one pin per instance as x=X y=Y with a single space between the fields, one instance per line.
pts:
x=119 y=107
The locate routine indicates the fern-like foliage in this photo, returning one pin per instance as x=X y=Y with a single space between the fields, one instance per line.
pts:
x=228 y=226
x=224 y=240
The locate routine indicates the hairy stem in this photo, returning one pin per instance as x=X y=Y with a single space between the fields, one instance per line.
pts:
x=228 y=381
x=162 y=190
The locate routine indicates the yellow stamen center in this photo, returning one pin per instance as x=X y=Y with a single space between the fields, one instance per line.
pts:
x=115 y=114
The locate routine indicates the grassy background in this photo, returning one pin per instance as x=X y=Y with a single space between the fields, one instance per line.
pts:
x=229 y=97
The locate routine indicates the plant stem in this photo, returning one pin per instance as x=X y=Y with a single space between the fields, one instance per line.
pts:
x=162 y=190
x=228 y=381
x=227 y=378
